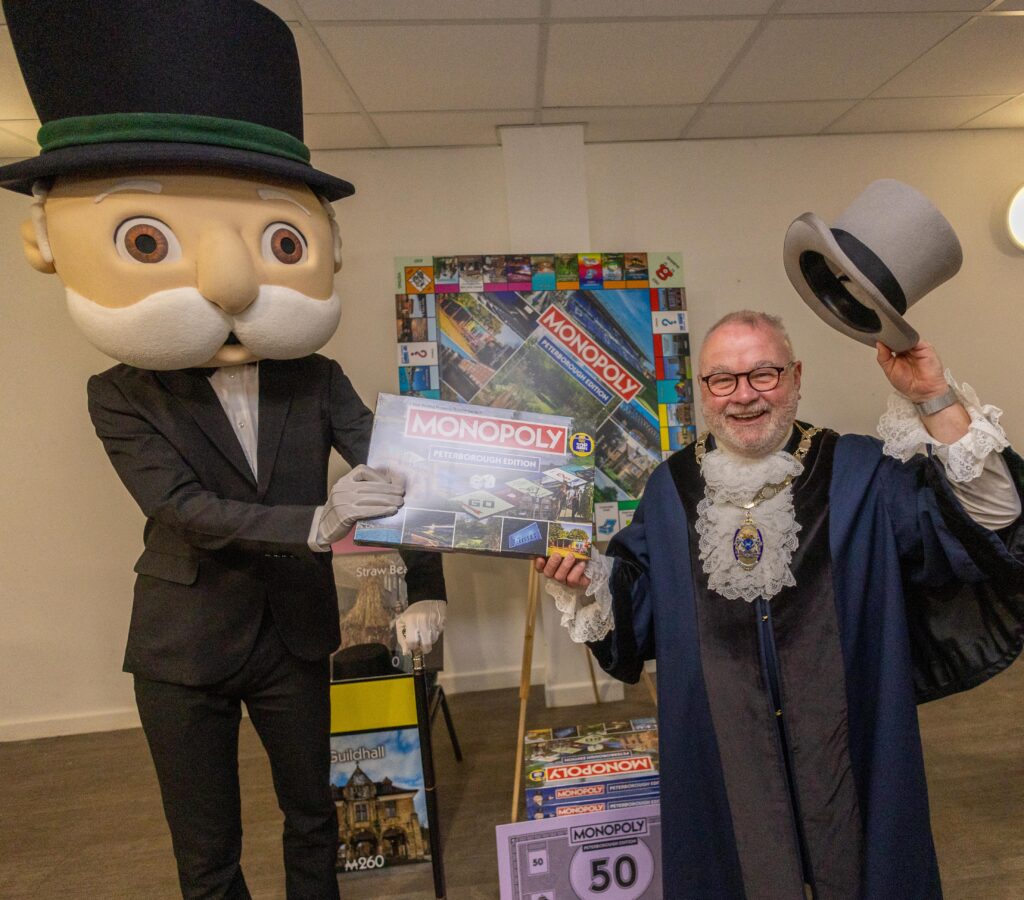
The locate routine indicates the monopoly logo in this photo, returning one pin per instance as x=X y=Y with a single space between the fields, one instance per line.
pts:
x=583 y=347
x=485 y=431
x=625 y=828
x=597 y=769
x=584 y=790
x=578 y=809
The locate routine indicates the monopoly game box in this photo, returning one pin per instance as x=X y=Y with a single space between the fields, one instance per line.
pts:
x=484 y=480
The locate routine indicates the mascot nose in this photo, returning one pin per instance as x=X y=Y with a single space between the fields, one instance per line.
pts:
x=226 y=276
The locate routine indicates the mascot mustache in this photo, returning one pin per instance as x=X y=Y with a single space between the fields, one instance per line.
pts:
x=180 y=328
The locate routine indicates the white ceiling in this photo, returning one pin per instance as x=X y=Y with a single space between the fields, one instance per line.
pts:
x=435 y=73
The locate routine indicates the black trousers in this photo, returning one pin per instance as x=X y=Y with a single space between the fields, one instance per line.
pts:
x=193 y=738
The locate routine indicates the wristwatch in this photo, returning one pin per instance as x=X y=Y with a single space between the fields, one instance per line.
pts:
x=930 y=407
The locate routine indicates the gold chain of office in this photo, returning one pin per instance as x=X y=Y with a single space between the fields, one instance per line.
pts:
x=748 y=542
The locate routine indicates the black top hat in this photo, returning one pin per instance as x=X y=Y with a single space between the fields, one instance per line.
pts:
x=128 y=84
x=363 y=661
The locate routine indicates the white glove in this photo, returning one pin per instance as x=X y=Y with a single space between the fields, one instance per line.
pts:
x=421 y=625
x=363 y=493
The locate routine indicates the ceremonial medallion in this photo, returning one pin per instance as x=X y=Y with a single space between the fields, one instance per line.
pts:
x=747 y=543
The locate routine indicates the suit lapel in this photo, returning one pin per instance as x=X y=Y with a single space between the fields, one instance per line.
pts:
x=193 y=390
x=277 y=384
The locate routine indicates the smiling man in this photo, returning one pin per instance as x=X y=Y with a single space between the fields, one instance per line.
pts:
x=801 y=590
x=175 y=200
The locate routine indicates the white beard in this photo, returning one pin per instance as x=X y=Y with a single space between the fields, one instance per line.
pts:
x=180 y=328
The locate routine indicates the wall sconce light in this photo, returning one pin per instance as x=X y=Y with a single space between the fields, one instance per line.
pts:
x=1015 y=219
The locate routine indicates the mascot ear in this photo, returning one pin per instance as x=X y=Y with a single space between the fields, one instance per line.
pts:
x=36 y=252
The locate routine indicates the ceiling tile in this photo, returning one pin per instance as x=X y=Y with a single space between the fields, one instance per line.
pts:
x=637 y=9
x=13 y=144
x=323 y=90
x=886 y=6
x=912 y=114
x=339 y=132
x=796 y=59
x=285 y=9
x=405 y=67
x=1009 y=115
x=624 y=123
x=24 y=128
x=650 y=63
x=728 y=120
x=356 y=10
x=984 y=57
x=447 y=129
x=14 y=99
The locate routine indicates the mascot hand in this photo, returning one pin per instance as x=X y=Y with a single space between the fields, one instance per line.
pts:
x=421 y=625
x=363 y=493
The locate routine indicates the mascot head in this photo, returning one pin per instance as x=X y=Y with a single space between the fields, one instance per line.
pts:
x=174 y=196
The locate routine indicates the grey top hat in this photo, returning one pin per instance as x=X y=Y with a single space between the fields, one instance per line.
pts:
x=888 y=249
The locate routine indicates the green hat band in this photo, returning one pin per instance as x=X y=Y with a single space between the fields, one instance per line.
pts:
x=133 y=127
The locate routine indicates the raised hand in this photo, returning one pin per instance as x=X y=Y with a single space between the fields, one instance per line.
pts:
x=916 y=373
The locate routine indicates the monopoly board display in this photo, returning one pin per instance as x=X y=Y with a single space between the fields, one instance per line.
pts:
x=611 y=855
x=600 y=336
x=482 y=480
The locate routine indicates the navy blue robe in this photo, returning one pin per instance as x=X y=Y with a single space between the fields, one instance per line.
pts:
x=790 y=747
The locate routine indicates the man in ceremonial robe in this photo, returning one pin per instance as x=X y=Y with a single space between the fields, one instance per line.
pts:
x=801 y=592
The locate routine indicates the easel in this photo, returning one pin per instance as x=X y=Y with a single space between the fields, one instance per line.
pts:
x=532 y=600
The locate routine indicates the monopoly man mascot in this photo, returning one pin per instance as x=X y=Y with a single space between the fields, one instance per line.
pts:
x=175 y=199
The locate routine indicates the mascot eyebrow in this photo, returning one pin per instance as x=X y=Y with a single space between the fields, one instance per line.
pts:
x=271 y=194
x=149 y=186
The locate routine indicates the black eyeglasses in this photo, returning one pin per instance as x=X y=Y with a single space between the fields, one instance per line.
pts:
x=761 y=379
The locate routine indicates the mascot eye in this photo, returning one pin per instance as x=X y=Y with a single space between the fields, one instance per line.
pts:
x=146 y=240
x=284 y=244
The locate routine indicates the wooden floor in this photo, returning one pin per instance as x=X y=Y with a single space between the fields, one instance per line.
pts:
x=80 y=816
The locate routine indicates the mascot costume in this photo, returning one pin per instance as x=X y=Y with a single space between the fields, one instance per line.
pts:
x=175 y=199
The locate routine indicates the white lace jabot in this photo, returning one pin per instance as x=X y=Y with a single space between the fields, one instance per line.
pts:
x=730 y=481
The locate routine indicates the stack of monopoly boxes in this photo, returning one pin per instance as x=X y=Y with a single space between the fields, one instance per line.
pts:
x=591 y=768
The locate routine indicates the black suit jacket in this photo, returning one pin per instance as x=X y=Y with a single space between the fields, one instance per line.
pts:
x=220 y=546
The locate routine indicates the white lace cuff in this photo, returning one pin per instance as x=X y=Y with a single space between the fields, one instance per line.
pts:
x=904 y=434
x=586 y=612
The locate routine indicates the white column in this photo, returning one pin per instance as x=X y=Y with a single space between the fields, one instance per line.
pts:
x=548 y=213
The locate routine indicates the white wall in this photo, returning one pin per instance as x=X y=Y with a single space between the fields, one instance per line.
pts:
x=70 y=533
